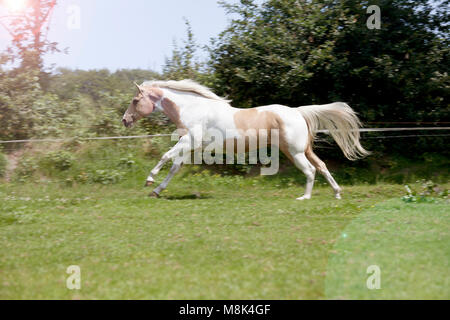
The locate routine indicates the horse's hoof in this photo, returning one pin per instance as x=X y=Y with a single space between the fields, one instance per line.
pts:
x=303 y=198
x=153 y=195
x=148 y=183
x=338 y=196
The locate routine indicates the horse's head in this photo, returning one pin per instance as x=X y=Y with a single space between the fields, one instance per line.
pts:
x=143 y=103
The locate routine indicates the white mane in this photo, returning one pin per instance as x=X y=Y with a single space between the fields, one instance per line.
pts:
x=186 y=86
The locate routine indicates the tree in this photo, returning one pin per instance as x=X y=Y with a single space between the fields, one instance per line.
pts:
x=270 y=53
x=29 y=33
x=303 y=52
x=21 y=94
x=17 y=93
x=183 y=63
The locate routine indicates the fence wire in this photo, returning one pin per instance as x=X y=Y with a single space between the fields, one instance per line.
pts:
x=54 y=140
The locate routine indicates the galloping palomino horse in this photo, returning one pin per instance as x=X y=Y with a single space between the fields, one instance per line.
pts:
x=191 y=106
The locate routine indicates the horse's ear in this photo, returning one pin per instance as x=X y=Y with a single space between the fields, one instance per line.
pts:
x=139 y=88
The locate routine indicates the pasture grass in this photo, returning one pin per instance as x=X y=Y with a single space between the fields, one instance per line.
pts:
x=407 y=242
x=212 y=237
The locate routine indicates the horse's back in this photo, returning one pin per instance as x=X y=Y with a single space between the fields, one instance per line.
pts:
x=292 y=126
x=290 y=123
x=289 y=118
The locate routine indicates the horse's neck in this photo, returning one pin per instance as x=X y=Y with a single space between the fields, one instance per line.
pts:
x=175 y=99
x=174 y=105
x=186 y=107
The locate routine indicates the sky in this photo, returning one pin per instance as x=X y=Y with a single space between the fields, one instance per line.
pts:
x=117 y=34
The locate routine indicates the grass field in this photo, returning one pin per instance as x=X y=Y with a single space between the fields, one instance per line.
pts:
x=219 y=238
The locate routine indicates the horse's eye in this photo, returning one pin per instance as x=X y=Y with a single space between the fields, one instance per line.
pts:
x=135 y=101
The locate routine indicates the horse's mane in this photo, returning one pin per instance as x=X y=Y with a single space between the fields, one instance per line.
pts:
x=186 y=86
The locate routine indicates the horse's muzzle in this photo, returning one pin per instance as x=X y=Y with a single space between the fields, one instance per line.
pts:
x=126 y=123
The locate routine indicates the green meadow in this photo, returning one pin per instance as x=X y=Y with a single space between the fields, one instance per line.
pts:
x=219 y=237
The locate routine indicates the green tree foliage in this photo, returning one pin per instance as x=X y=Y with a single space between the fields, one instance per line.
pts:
x=28 y=111
x=67 y=83
x=185 y=62
x=75 y=103
x=269 y=54
x=104 y=96
x=182 y=64
x=18 y=91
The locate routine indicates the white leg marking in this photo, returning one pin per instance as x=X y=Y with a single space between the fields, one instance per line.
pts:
x=175 y=168
x=183 y=145
x=333 y=184
x=307 y=168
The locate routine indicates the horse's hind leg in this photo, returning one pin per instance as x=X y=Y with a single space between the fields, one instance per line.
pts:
x=322 y=168
x=308 y=169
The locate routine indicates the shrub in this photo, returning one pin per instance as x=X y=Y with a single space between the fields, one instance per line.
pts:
x=127 y=162
x=60 y=160
x=26 y=169
x=107 y=123
x=106 y=176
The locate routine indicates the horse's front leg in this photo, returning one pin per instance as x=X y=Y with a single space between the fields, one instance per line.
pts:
x=183 y=145
x=175 y=168
x=177 y=163
x=156 y=169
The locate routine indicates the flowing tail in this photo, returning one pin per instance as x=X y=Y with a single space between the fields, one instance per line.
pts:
x=342 y=123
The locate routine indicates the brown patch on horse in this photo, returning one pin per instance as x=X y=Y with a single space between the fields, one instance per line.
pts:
x=315 y=160
x=257 y=120
x=252 y=119
x=155 y=94
x=311 y=156
x=172 y=111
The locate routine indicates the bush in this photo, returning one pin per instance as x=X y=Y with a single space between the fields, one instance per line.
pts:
x=107 y=123
x=60 y=160
x=26 y=169
x=127 y=162
x=106 y=176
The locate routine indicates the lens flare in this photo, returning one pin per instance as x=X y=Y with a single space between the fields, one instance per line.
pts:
x=15 y=5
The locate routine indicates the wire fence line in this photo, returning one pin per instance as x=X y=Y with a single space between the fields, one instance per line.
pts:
x=316 y=146
x=408 y=136
x=407 y=122
x=168 y=135
x=86 y=139
x=394 y=129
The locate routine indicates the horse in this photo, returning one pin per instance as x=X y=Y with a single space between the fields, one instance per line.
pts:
x=195 y=109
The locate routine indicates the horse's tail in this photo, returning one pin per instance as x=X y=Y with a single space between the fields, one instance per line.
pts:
x=342 y=123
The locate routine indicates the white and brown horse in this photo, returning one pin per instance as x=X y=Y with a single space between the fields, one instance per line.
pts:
x=194 y=109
